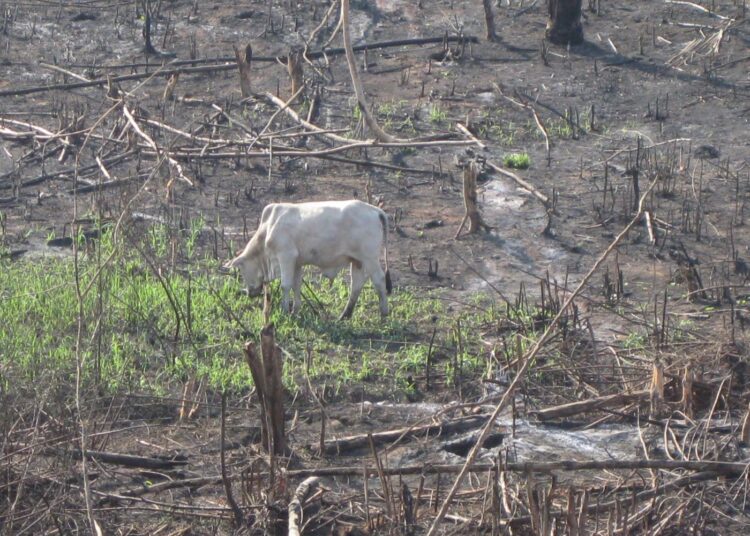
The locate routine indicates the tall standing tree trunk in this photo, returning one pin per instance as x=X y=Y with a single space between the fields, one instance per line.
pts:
x=564 y=24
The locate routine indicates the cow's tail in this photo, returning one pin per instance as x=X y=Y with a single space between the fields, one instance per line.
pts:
x=384 y=225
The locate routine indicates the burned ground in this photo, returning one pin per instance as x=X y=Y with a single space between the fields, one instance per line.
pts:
x=658 y=93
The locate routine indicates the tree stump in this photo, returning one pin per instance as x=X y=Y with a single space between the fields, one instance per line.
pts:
x=470 y=202
x=266 y=370
x=244 y=58
x=489 y=19
x=564 y=25
x=294 y=67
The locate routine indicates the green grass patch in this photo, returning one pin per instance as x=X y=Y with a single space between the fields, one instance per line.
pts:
x=517 y=161
x=148 y=326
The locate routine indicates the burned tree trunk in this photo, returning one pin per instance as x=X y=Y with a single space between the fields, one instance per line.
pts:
x=266 y=370
x=294 y=66
x=489 y=19
x=148 y=13
x=244 y=58
x=564 y=24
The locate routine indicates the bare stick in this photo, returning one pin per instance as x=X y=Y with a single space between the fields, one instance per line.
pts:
x=522 y=183
x=592 y=404
x=172 y=162
x=380 y=134
x=471 y=136
x=224 y=476
x=527 y=360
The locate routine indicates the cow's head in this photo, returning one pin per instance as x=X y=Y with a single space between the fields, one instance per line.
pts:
x=252 y=273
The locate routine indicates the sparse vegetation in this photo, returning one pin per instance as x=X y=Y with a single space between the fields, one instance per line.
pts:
x=517 y=160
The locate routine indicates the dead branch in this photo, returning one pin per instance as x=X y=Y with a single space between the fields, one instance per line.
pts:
x=228 y=63
x=538 y=120
x=696 y=7
x=297 y=503
x=224 y=476
x=522 y=183
x=346 y=444
x=128 y=460
x=172 y=162
x=593 y=404
x=471 y=136
x=380 y=134
x=718 y=467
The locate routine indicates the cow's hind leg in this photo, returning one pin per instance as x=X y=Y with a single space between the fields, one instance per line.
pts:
x=378 y=280
x=287 y=276
x=359 y=276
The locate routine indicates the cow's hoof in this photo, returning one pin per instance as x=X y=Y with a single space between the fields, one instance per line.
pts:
x=345 y=315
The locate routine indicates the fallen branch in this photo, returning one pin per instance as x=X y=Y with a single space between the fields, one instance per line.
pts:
x=471 y=136
x=128 y=460
x=228 y=66
x=380 y=134
x=172 y=162
x=522 y=183
x=593 y=404
x=297 y=503
x=345 y=444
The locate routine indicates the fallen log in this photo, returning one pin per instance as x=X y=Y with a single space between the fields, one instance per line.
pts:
x=724 y=468
x=344 y=444
x=230 y=64
x=714 y=467
x=128 y=460
x=592 y=404
x=297 y=503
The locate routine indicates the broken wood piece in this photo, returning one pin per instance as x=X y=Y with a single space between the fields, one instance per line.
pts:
x=593 y=404
x=297 y=504
x=350 y=443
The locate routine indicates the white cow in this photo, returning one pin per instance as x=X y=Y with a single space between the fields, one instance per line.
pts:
x=326 y=234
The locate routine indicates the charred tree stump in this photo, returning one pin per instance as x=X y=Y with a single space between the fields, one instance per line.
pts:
x=148 y=9
x=244 y=58
x=266 y=370
x=564 y=25
x=294 y=66
x=489 y=19
x=470 y=202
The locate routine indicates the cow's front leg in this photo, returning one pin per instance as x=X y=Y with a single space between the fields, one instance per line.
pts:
x=358 y=280
x=297 y=285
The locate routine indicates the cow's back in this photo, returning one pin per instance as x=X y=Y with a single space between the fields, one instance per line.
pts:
x=325 y=234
